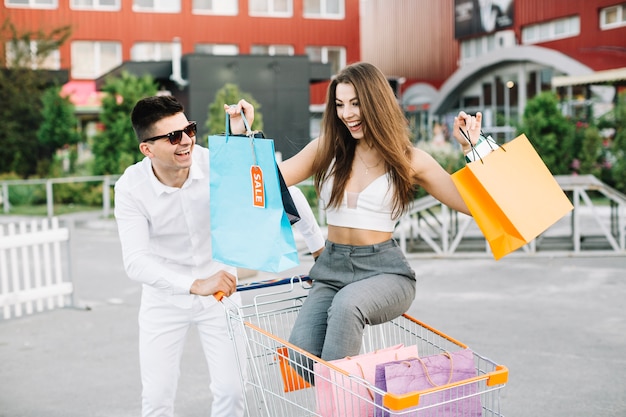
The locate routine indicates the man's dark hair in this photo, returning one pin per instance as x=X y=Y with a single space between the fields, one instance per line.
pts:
x=150 y=110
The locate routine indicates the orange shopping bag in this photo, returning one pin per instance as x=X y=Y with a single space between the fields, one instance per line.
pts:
x=512 y=195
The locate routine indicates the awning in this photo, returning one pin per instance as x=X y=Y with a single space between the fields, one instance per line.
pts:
x=610 y=77
x=83 y=95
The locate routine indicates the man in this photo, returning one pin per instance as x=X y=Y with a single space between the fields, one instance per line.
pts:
x=162 y=212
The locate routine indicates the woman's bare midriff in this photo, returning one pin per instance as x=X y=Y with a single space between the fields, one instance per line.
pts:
x=356 y=237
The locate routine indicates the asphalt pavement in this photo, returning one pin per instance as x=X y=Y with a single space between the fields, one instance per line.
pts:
x=557 y=323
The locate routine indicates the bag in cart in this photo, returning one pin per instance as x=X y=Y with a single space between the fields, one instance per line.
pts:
x=337 y=392
x=419 y=374
x=249 y=225
x=339 y=402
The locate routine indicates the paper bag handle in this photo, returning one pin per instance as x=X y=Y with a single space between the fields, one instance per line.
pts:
x=482 y=138
x=427 y=374
x=249 y=132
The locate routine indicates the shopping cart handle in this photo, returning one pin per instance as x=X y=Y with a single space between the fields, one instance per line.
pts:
x=264 y=284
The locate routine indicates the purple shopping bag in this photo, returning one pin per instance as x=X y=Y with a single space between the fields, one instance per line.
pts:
x=402 y=377
x=338 y=395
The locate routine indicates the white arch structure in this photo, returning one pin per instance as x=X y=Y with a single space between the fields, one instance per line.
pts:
x=467 y=74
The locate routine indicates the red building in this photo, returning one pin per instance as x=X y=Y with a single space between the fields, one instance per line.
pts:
x=443 y=55
x=108 y=33
x=494 y=55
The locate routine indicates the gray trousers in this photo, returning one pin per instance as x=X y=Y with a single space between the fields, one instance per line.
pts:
x=352 y=286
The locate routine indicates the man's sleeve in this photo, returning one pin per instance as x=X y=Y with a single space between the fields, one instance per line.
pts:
x=139 y=263
x=307 y=226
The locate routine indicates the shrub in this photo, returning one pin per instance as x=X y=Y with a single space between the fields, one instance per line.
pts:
x=550 y=133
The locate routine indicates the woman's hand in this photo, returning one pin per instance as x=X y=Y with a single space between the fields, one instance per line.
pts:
x=471 y=127
x=234 y=111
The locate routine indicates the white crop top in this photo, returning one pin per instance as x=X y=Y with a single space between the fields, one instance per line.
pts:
x=371 y=209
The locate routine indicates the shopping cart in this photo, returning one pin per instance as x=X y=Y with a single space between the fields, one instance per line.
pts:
x=272 y=376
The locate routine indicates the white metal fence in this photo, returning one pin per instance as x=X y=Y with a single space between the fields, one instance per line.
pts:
x=34 y=267
x=107 y=181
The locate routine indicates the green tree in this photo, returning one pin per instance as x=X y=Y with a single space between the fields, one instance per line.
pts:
x=21 y=89
x=590 y=154
x=550 y=132
x=229 y=94
x=58 y=126
x=116 y=147
x=618 y=148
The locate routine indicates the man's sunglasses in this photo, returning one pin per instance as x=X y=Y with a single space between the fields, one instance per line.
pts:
x=176 y=136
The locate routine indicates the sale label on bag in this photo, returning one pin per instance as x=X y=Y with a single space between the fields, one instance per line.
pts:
x=258 y=186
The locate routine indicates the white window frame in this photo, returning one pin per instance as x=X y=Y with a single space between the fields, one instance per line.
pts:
x=548 y=31
x=225 y=49
x=472 y=49
x=324 y=50
x=159 y=50
x=52 y=61
x=270 y=12
x=158 y=6
x=97 y=68
x=619 y=10
x=32 y=4
x=324 y=14
x=96 y=6
x=217 y=8
x=271 y=49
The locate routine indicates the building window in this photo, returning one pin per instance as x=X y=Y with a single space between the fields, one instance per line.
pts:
x=25 y=55
x=324 y=9
x=333 y=55
x=271 y=50
x=90 y=59
x=32 y=4
x=550 y=31
x=104 y=5
x=613 y=17
x=157 y=6
x=151 y=51
x=472 y=49
x=216 y=49
x=271 y=8
x=218 y=7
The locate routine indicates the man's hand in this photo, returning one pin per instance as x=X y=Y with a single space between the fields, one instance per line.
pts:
x=317 y=253
x=223 y=282
x=234 y=111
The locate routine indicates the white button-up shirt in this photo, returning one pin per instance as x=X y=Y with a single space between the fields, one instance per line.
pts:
x=166 y=232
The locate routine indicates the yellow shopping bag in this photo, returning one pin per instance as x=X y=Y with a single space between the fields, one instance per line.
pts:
x=512 y=195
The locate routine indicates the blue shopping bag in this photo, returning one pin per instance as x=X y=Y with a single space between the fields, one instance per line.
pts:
x=249 y=225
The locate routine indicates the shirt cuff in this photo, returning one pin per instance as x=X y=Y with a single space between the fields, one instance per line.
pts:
x=181 y=284
x=314 y=242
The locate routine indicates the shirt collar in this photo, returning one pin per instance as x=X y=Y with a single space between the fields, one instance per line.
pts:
x=195 y=173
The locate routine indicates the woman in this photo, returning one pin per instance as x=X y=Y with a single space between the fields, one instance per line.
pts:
x=366 y=172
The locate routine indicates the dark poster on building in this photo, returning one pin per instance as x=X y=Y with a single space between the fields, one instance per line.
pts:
x=477 y=17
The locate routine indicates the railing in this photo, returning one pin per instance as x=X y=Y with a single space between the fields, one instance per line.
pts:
x=430 y=227
x=34 y=267
x=107 y=182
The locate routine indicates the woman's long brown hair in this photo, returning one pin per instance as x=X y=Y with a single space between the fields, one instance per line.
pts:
x=384 y=127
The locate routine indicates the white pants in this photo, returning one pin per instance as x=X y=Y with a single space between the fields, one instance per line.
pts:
x=162 y=334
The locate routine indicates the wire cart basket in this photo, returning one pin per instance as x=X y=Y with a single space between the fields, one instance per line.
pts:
x=276 y=384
